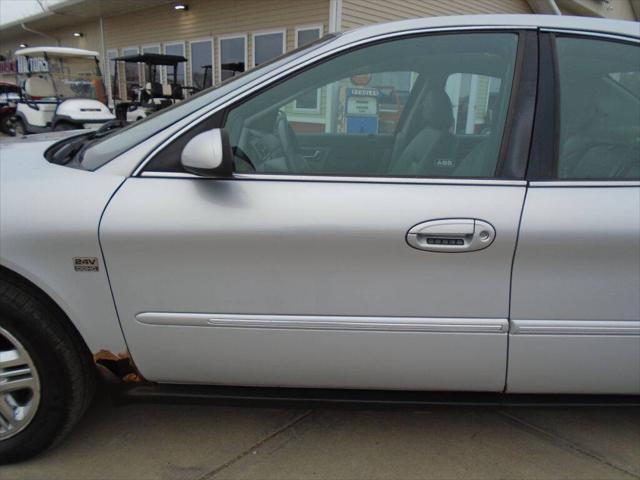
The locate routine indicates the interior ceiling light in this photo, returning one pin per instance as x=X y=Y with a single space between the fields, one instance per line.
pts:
x=180 y=6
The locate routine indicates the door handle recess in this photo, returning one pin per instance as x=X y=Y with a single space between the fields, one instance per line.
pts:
x=451 y=235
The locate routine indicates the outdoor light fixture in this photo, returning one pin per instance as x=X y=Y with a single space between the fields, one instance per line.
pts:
x=23 y=45
x=180 y=6
x=77 y=34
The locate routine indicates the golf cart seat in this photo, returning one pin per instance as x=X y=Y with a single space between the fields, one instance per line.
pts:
x=38 y=87
x=158 y=90
x=153 y=90
x=176 y=91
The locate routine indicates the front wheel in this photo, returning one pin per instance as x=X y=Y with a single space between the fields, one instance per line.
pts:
x=5 y=123
x=47 y=377
x=19 y=128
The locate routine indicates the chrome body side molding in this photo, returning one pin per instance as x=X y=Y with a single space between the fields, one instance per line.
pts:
x=574 y=327
x=314 y=322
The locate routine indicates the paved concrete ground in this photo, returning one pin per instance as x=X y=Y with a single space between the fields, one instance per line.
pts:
x=221 y=442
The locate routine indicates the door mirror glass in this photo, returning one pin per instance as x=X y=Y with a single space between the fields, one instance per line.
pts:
x=208 y=154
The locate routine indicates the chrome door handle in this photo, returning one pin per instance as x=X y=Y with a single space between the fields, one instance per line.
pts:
x=451 y=235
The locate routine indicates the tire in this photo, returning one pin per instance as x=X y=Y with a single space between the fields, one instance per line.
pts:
x=19 y=128
x=63 y=376
x=5 y=124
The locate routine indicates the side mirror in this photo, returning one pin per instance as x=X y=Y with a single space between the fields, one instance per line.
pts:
x=208 y=154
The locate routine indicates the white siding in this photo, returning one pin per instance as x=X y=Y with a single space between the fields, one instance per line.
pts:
x=356 y=13
x=215 y=18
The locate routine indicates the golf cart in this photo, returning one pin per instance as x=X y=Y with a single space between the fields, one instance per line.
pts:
x=9 y=96
x=61 y=89
x=155 y=95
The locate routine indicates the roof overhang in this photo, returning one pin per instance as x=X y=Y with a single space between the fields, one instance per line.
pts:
x=57 y=52
x=69 y=13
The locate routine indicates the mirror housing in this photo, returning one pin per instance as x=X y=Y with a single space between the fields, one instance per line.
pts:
x=208 y=154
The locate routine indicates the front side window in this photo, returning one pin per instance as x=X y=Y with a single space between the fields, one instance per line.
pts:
x=430 y=106
x=599 y=109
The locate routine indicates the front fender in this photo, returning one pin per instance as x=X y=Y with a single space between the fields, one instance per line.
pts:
x=49 y=215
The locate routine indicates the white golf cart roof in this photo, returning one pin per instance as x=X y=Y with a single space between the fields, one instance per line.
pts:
x=57 y=52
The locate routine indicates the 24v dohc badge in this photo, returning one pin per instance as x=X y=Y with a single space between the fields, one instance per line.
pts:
x=85 y=264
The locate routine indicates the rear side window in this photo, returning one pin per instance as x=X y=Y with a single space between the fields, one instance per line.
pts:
x=599 y=109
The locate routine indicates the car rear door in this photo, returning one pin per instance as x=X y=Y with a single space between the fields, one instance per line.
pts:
x=576 y=278
x=361 y=279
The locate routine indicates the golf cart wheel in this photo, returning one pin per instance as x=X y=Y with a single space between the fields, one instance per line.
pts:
x=47 y=377
x=62 y=126
x=19 y=128
x=5 y=124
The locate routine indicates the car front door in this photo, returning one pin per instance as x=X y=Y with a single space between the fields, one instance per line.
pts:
x=288 y=274
x=576 y=279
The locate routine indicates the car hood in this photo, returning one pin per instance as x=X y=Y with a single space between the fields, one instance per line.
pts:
x=41 y=137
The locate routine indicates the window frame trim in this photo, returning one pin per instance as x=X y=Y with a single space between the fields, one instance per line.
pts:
x=213 y=57
x=232 y=36
x=282 y=74
x=544 y=156
x=261 y=33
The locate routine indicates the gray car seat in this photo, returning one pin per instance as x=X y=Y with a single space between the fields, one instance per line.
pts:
x=429 y=152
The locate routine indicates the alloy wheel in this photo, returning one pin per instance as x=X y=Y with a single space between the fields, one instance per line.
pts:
x=19 y=386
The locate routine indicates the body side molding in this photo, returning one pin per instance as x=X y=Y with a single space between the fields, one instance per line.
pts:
x=574 y=327
x=315 y=322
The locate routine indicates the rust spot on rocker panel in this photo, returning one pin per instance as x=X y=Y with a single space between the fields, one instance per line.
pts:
x=121 y=365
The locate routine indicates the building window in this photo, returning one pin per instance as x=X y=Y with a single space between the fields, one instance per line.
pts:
x=233 y=56
x=174 y=48
x=307 y=35
x=111 y=72
x=310 y=101
x=145 y=68
x=201 y=63
x=268 y=45
x=131 y=73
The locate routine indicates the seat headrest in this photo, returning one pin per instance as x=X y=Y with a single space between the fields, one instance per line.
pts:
x=38 y=87
x=166 y=90
x=437 y=110
x=154 y=89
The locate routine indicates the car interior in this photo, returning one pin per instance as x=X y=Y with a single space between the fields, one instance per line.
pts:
x=599 y=102
x=425 y=141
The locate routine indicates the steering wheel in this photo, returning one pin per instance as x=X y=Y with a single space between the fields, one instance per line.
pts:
x=296 y=163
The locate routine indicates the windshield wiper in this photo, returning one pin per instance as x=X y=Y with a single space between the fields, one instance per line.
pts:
x=75 y=149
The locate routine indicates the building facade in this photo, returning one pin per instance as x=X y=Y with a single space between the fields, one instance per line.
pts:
x=221 y=38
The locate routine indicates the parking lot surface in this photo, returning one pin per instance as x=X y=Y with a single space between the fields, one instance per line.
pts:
x=158 y=441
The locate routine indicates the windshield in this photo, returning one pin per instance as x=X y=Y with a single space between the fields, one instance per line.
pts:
x=122 y=140
x=76 y=77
